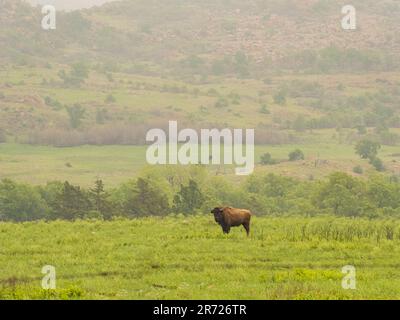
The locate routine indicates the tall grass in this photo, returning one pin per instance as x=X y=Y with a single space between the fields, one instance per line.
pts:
x=181 y=257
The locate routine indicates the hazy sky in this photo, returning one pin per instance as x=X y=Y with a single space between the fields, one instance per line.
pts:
x=70 y=4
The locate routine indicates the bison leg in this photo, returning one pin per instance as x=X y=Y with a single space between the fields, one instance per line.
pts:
x=226 y=230
x=246 y=225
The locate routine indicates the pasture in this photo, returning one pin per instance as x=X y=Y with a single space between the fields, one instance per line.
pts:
x=116 y=164
x=189 y=258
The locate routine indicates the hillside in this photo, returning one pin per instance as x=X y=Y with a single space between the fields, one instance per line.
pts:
x=108 y=74
x=198 y=34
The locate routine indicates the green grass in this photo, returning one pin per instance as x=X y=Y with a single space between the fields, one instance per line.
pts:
x=116 y=164
x=190 y=258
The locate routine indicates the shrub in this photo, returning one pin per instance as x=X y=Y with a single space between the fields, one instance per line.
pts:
x=296 y=155
x=189 y=199
x=110 y=99
x=377 y=164
x=19 y=202
x=367 y=149
x=266 y=159
x=264 y=109
x=358 y=170
x=280 y=97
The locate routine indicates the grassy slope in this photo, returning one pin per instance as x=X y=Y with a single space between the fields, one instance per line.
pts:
x=135 y=105
x=190 y=258
x=116 y=164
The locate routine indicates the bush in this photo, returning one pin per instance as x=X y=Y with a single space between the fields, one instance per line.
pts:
x=266 y=159
x=264 y=109
x=19 y=202
x=296 y=155
x=377 y=164
x=367 y=149
x=110 y=99
x=189 y=199
x=358 y=170
x=222 y=103
x=280 y=97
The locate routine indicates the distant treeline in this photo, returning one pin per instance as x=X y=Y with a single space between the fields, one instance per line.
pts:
x=192 y=190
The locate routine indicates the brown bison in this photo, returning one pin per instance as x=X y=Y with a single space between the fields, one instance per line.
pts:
x=228 y=217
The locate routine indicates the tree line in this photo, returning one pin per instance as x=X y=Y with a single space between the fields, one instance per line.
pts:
x=161 y=192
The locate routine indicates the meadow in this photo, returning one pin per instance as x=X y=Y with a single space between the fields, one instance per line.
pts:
x=180 y=257
x=116 y=164
x=76 y=104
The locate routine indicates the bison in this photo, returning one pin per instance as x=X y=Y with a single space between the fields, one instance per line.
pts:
x=228 y=217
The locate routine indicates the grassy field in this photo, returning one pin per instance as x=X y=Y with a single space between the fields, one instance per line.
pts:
x=190 y=258
x=115 y=164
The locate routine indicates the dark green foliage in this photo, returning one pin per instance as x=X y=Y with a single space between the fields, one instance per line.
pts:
x=358 y=170
x=296 y=155
x=189 y=199
x=20 y=202
x=99 y=199
x=340 y=194
x=76 y=114
x=144 y=198
x=71 y=203
x=76 y=77
x=266 y=159
x=344 y=195
x=367 y=149
x=377 y=164
x=52 y=103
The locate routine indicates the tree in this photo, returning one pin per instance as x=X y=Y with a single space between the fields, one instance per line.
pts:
x=296 y=155
x=377 y=164
x=71 y=203
x=266 y=159
x=145 y=198
x=188 y=199
x=367 y=149
x=343 y=194
x=79 y=72
x=76 y=114
x=383 y=193
x=19 y=202
x=99 y=200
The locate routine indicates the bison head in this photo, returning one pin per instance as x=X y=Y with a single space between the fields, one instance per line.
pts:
x=218 y=214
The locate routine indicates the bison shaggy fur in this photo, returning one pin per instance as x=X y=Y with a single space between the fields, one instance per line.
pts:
x=228 y=217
